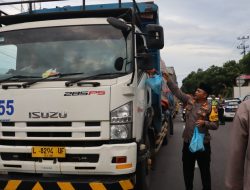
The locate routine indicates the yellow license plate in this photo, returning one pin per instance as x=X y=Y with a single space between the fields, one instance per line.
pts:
x=48 y=152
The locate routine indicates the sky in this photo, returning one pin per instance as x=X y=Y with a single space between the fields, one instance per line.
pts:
x=197 y=33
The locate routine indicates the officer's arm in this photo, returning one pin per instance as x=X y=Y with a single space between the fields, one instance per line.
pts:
x=212 y=125
x=175 y=89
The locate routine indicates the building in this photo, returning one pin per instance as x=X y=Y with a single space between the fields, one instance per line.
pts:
x=243 y=86
x=170 y=71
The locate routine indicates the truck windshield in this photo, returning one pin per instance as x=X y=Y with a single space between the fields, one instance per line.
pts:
x=88 y=49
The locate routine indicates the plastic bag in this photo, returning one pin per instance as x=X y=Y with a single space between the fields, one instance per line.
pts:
x=196 y=143
x=155 y=83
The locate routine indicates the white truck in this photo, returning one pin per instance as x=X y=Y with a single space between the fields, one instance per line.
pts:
x=75 y=112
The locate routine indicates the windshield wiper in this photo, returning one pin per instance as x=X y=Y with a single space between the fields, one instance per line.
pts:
x=70 y=83
x=28 y=84
x=17 y=77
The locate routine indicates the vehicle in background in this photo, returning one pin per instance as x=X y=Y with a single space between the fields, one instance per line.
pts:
x=247 y=97
x=230 y=107
x=209 y=99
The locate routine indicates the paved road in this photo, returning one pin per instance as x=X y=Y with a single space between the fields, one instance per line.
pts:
x=167 y=173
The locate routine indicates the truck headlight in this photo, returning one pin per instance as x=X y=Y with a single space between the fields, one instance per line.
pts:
x=121 y=122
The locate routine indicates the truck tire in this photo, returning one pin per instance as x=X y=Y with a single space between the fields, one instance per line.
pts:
x=142 y=176
x=171 y=125
x=165 y=140
x=142 y=167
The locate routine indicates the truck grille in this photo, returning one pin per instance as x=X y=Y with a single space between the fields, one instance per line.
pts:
x=17 y=156
x=48 y=134
x=90 y=158
x=55 y=143
x=49 y=124
x=85 y=130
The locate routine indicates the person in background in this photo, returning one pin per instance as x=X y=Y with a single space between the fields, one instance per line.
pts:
x=177 y=106
x=221 y=110
x=238 y=166
x=198 y=113
x=214 y=102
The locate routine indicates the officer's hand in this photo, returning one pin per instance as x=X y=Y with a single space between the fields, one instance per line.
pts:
x=165 y=75
x=151 y=72
x=200 y=123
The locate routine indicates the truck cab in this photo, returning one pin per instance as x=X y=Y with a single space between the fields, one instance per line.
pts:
x=74 y=106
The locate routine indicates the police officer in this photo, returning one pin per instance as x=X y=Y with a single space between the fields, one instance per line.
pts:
x=221 y=110
x=198 y=113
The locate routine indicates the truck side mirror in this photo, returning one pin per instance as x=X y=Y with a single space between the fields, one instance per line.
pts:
x=155 y=36
x=145 y=61
x=119 y=24
x=119 y=63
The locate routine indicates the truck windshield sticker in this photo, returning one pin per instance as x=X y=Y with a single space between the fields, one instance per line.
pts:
x=6 y=107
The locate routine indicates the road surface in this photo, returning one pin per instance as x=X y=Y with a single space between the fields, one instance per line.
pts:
x=167 y=173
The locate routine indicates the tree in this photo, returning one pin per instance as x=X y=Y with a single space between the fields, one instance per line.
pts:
x=221 y=79
x=189 y=84
x=245 y=63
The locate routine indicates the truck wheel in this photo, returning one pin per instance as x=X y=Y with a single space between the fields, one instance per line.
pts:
x=142 y=176
x=171 y=125
x=144 y=166
x=165 y=140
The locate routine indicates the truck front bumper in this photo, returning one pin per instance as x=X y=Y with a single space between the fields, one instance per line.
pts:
x=19 y=182
x=101 y=166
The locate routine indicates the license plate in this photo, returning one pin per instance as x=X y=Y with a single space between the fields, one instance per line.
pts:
x=48 y=152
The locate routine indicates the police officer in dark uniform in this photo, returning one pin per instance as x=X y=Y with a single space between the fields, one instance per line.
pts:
x=198 y=113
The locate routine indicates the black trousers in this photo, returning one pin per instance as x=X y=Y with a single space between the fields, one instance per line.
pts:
x=221 y=115
x=203 y=159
